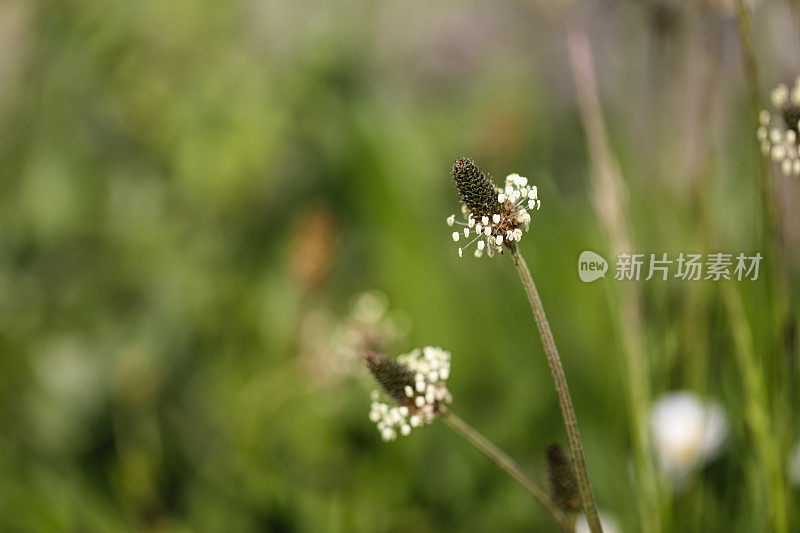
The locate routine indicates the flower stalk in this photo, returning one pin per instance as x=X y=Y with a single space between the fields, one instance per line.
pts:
x=776 y=279
x=498 y=216
x=564 y=398
x=417 y=394
x=508 y=465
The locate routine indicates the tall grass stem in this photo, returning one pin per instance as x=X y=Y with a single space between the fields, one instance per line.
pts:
x=564 y=399
x=610 y=195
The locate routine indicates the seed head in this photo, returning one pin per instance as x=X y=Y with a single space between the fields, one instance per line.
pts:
x=561 y=479
x=496 y=216
x=415 y=382
x=391 y=375
x=477 y=190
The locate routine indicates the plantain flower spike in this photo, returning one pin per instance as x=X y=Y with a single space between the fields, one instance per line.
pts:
x=416 y=386
x=561 y=479
x=492 y=216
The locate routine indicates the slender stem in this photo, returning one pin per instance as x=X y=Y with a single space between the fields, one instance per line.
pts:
x=750 y=58
x=779 y=297
x=768 y=200
x=610 y=194
x=502 y=460
x=766 y=447
x=564 y=399
x=776 y=276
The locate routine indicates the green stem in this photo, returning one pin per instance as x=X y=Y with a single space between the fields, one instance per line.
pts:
x=506 y=463
x=776 y=275
x=564 y=399
x=766 y=446
x=750 y=58
x=778 y=294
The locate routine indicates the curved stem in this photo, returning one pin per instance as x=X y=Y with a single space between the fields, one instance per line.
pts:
x=564 y=399
x=502 y=460
x=771 y=209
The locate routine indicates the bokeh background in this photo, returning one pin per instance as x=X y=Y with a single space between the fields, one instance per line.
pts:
x=209 y=209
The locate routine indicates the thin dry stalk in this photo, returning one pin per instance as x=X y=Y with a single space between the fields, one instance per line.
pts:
x=610 y=196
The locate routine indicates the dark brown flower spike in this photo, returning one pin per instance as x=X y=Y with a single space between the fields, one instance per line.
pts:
x=416 y=382
x=494 y=217
x=561 y=479
x=478 y=192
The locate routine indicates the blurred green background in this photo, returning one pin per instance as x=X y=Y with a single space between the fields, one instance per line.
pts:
x=195 y=196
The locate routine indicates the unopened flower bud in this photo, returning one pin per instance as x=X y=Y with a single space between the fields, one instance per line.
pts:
x=561 y=479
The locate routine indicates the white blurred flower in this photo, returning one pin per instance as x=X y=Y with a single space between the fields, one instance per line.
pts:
x=609 y=523
x=794 y=466
x=687 y=433
x=778 y=130
x=331 y=347
x=70 y=373
x=72 y=388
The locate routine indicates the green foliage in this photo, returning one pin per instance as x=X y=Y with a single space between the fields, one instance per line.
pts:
x=161 y=276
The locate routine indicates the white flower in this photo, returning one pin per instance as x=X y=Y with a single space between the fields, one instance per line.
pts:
x=609 y=523
x=779 y=95
x=687 y=433
x=412 y=406
x=778 y=132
